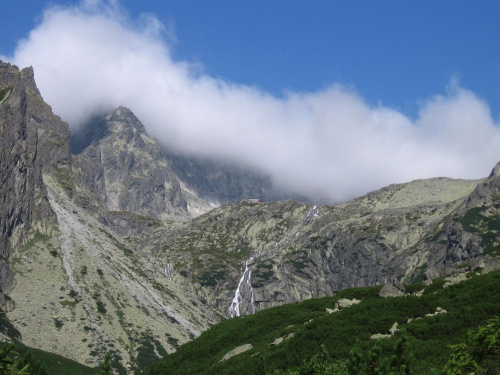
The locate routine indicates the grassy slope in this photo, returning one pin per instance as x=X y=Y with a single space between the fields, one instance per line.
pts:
x=56 y=364
x=469 y=304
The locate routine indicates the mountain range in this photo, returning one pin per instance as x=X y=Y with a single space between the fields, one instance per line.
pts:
x=111 y=244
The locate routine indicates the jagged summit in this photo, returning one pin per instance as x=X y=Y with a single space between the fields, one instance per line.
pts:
x=204 y=184
x=122 y=122
x=119 y=166
x=495 y=172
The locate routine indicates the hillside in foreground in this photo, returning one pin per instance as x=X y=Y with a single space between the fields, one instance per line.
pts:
x=282 y=338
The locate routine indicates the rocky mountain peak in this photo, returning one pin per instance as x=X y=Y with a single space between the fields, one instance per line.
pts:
x=119 y=166
x=496 y=171
x=28 y=79
x=123 y=123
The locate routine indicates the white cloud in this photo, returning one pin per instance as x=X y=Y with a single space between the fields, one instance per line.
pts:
x=94 y=57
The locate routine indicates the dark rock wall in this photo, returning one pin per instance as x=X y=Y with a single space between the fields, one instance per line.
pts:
x=33 y=141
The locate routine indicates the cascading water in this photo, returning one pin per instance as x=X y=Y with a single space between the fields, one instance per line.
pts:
x=243 y=291
x=313 y=214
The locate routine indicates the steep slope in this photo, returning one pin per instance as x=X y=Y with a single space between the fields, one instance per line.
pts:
x=33 y=141
x=285 y=337
x=117 y=165
x=246 y=257
x=475 y=228
x=85 y=291
x=84 y=282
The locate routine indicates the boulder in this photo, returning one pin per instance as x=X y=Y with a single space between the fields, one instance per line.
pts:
x=236 y=351
x=393 y=289
x=344 y=302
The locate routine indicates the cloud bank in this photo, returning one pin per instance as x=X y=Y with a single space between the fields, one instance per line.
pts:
x=93 y=57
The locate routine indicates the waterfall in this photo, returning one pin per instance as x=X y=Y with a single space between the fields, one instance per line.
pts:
x=313 y=214
x=245 y=286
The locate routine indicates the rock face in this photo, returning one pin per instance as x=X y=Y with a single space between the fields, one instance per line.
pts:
x=392 y=289
x=249 y=256
x=221 y=182
x=122 y=168
x=33 y=141
x=80 y=288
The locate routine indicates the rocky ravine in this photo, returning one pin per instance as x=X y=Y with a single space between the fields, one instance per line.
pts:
x=84 y=291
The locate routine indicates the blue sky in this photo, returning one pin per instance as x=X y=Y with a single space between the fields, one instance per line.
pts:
x=331 y=98
x=396 y=52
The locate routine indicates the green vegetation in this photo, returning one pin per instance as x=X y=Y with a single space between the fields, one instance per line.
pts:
x=148 y=346
x=329 y=341
x=212 y=277
x=319 y=364
x=472 y=219
x=31 y=365
x=262 y=274
x=37 y=236
x=106 y=365
x=398 y=360
x=58 y=323
x=69 y=303
x=18 y=356
x=5 y=93
x=479 y=354
x=7 y=365
x=101 y=307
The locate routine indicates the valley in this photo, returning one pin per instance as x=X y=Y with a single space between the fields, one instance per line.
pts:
x=111 y=244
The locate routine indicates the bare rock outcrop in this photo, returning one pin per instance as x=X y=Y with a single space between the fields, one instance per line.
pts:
x=240 y=349
x=393 y=289
x=120 y=167
x=33 y=142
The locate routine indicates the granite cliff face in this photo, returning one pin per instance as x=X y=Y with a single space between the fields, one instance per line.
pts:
x=117 y=165
x=33 y=141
